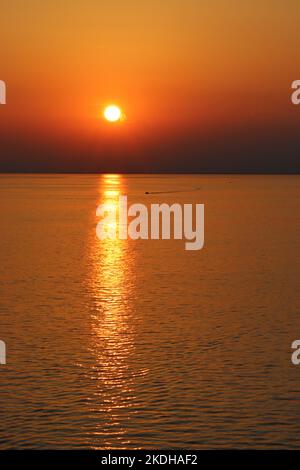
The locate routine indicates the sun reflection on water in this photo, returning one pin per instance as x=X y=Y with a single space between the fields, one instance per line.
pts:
x=112 y=285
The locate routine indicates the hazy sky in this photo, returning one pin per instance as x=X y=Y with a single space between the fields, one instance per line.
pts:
x=205 y=85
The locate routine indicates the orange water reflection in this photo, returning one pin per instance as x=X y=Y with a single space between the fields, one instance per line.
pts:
x=112 y=286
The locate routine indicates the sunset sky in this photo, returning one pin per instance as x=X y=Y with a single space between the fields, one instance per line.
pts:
x=204 y=85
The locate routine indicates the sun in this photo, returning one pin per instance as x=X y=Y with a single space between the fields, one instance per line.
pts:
x=112 y=113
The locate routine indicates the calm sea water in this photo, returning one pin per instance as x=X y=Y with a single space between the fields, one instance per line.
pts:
x=141 y=344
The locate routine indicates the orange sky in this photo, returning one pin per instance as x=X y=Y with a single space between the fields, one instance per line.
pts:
x=193 y=69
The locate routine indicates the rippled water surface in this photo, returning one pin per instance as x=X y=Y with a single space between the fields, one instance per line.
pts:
x=141 y=344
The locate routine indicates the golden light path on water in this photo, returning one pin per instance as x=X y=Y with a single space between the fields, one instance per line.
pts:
x=112 y=284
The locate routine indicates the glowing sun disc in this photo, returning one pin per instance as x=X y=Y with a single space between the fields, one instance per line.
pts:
x=112 y=113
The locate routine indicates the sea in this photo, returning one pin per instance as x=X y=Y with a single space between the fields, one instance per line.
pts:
x=142 y=344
